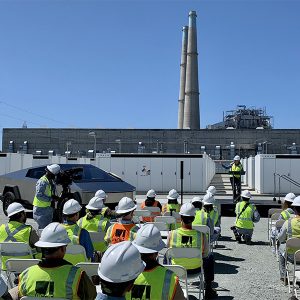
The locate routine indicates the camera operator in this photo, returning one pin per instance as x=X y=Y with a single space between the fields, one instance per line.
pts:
x=45 y=194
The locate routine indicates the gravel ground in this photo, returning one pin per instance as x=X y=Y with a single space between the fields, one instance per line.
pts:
x=241 y=271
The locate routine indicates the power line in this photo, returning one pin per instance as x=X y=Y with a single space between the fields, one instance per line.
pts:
x=19 y=119
x=31 y=112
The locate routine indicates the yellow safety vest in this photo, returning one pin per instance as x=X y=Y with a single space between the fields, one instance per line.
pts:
x=285 y=214
x=245 y=220
x=158 y=283
x=74 y=231
x=48 y=192
x=214 y=216
x=200 y=217
x=293 y=230
x=182 y=237
x=59 y=282
x=236 y=168
x=14 y=232
x=96 y=224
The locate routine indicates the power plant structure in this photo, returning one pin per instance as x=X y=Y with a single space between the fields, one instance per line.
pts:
x=188 y=103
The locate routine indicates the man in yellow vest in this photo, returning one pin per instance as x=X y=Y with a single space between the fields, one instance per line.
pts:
x=246 y=216
x=217 y=205
x=156 y=282
x=121 y=265
x=236 y=170
x=16 y=229
x=44 y=195
x=172 y=205
x=290 y=229
x=105 y=211
x=125 y=229
x=94 y=221
x=77 y=235
x=186 y=236
x=54 y=277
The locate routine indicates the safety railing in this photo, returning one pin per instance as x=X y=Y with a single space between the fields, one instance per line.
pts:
x=284 y=177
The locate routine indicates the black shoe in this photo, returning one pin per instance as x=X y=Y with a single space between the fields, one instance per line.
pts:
x=210 y=293
x=247 y=240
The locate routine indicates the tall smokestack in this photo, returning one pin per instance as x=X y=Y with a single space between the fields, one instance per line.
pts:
x=191 y=118
x=182 y=76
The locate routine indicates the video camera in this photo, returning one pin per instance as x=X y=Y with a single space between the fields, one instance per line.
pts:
x=66 y=177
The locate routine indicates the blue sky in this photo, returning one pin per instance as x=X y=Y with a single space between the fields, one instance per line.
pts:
x=115 y=64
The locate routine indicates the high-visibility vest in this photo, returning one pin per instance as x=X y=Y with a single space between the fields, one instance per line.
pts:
x=96 y=224
x=121 y=232
x=158 y=283
x=48 y=192
x=74 y=231
x=103 y=210
x=182 y=237
x=14 y=232
x=293 y=230
x=214 y=216
x=200 y=217
x=285 y=214
x=171 y=207
x=236 y=168
x=58 y=282
x=245 y=220
x=153 y=214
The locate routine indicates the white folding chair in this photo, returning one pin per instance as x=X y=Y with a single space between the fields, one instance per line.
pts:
x=165 y=219
x=278 y=225
x=187 y=252
x=174 y=214
x=296 y=275
x=90 y=268
x=97 y=236
x=139 y=214
x=75 y=250
x=154 y=212
x=205 y=230
x=180 y=271
x=18 y=265
x=271 y=211
x=273 y=219
x=292 y=245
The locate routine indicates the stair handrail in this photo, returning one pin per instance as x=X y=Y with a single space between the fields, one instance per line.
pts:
x=285 y=177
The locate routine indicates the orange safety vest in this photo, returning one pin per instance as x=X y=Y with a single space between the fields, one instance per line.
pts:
x=122 y=232
x=153 y=214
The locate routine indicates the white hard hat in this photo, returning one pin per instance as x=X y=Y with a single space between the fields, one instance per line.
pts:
x=148 y=239
x=54 y=169
x=290 y=197
x=126 y=205
x=14 y=208
x=71 y=207
x=212 y=190
x=95 y=203
x=151 y=193
x=196 y=199
x=3 y=286
x=296 y=201
x=173 y=195
x=101 y=194
x=121 y=262
x=246 y=194
x=53 y=235
x=236 y=158
x=208 y=199
x=187 y=209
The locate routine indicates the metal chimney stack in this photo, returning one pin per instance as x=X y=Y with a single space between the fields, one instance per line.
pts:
x=191 y=118
x=182 y=76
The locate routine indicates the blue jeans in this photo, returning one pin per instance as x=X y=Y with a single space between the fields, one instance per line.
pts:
x=43 y=216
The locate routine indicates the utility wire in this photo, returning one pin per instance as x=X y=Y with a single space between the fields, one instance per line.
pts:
x=33 y=113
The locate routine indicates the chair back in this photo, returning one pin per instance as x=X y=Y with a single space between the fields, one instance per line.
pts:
x=297 y=257
x=183 y=252
x=275 y=216
x=142 y=213
x=292 y=245
x=18 y=265
x=165 y=219
x=90 y=268
x=75 y=254
x=15 y=249
x=161 y=226
x=174 y=214
x=272 y=211
x=152 y=209
x=40 y=298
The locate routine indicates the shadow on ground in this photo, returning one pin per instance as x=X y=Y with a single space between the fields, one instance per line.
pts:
x=223 y=268
x=221 y=257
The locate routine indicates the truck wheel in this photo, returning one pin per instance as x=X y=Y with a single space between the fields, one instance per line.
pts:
x=8 y=199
